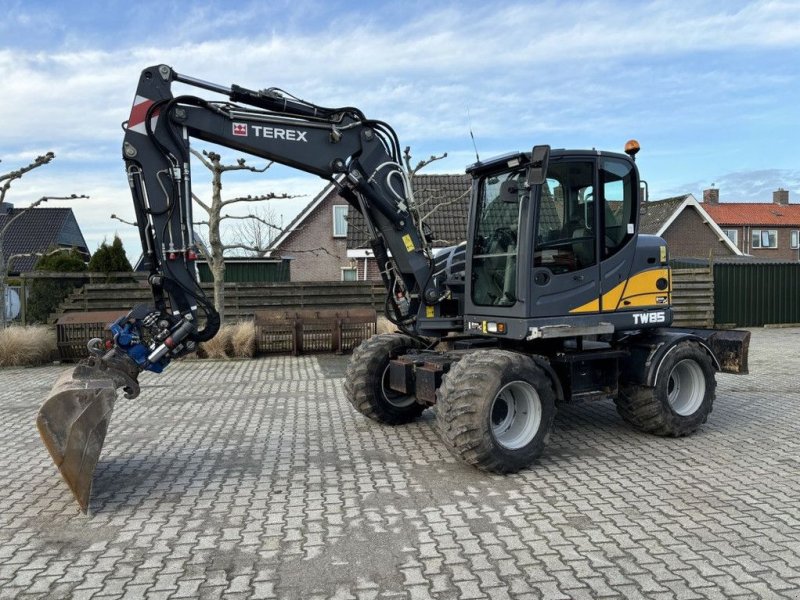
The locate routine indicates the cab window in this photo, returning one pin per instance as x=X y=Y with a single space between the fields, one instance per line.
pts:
x=619 y=211
x=566 y=220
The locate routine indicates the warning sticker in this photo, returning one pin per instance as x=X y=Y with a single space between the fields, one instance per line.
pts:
x=409 y=243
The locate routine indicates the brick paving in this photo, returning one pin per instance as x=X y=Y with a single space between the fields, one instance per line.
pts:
x=257 y=480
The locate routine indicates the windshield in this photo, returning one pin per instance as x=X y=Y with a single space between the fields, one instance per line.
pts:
x=494 y=251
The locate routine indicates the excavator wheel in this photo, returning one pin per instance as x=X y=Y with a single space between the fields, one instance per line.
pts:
x=680 y=401
x=366 y=382
x=495 y=410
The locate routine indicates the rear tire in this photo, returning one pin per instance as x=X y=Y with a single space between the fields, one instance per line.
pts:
x=682 y=398
x=366 y=382
x=495 y=410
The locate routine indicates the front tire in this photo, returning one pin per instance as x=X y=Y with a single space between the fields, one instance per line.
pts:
x=495 y=410
x=682 y=398
x=366 y=382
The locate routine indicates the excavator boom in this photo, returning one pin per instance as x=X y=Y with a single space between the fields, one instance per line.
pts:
x=360 y=156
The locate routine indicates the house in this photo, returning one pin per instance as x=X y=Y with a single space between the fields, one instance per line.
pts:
x=328 y=240
x=688 y=229
x=760 y=229
x=316 y=240
x=443 y=201
x=36 y=231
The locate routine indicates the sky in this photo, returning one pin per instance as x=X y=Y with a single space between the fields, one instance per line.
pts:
x=710 y=89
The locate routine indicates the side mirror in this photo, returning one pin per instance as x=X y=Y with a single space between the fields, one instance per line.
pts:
x=537 y=171
x=509 y=191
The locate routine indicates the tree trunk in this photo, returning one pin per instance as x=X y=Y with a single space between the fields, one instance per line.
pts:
x=217 y=263
x=2 y=289
x=218 y=273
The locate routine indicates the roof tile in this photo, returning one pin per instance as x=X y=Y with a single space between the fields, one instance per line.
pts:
x=36 y=231
x=752 y=213
x=446 y=195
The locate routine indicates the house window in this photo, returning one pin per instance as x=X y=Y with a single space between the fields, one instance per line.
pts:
x=765 y=238
x=349 y=274
x=733 y=235
x=795 y=239
x=340 y=221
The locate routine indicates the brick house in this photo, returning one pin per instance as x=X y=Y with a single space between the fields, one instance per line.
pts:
x=444 y=198
x=328 y=240
x=316 y=240
x=687 y=227
x=760 y=229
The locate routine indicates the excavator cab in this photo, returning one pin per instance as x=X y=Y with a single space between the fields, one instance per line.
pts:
x=557 y=244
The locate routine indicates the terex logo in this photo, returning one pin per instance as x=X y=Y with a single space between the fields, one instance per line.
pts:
x=278 y=133
x=645 y=318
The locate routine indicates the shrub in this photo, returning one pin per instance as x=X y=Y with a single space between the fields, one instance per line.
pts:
x=243 y=339
x=384 y=325
x=219 y=346
x=237 y=340
x=110 y=258
x=26 y=346
x=47 y=294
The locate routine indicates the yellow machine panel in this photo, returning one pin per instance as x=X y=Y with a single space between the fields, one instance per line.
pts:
x=649 y=288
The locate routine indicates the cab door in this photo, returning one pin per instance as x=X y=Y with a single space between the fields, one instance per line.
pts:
x=565 y=276
x=619 y=199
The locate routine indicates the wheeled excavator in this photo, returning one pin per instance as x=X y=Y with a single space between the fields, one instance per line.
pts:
x=554 y=297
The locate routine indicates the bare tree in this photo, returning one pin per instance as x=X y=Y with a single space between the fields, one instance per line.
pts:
x=215 y=247
x=6 y=179
x=258 y=230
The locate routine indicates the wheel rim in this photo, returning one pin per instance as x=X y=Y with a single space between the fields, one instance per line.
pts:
x=516 y=415
x=686 y=387
x=394 y=398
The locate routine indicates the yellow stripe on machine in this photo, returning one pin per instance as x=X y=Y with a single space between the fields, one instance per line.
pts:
x=635 y=292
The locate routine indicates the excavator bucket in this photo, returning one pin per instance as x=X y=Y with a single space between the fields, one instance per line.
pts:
x=74 y=419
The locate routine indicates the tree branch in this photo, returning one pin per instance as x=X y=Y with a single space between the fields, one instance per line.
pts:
x=314 y=251
x=421 y=164
x=205 y=206
x=30 y=254
x=262 y=197
x=441 y=204
x=121 y=220
x=17 y=174
x=254 y=217
x=41 y=200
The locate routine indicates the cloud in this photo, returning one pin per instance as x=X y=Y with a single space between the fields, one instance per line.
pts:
x=567 y=73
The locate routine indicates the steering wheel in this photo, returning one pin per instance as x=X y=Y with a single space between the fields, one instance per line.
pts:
x=501 y=238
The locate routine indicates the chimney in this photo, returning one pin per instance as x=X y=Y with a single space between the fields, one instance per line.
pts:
x=6 y=208
x=711 y=196
x=780 y=196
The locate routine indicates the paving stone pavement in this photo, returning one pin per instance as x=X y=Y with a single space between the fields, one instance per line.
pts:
x=255 y=479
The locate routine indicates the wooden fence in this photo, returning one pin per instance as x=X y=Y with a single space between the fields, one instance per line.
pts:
x=693 y=297
x=242 y=300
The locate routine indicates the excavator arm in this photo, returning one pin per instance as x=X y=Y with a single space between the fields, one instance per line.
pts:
x=360 y=156
x=339 y=144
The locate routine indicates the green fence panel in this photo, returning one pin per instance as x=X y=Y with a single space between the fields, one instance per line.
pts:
x=756 y=294
x=244 y=272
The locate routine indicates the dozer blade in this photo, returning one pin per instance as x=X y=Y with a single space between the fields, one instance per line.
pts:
x=74 y=419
